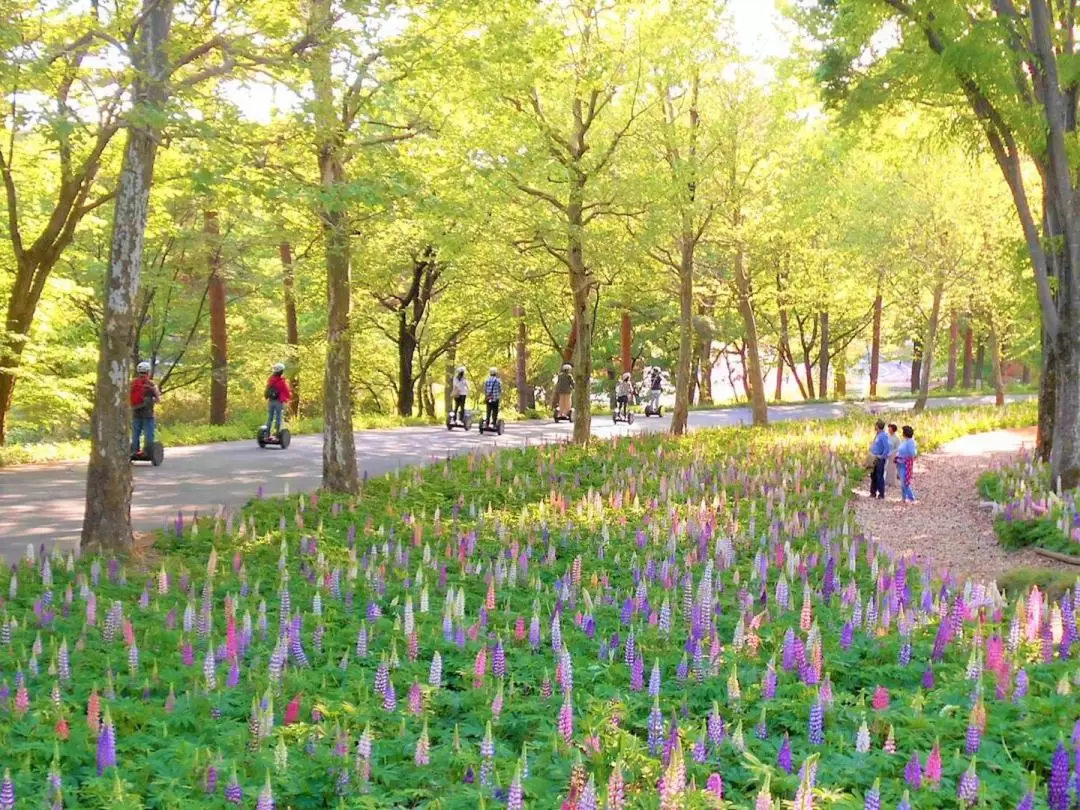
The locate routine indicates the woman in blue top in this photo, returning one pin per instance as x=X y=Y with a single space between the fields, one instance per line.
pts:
x=905 y=463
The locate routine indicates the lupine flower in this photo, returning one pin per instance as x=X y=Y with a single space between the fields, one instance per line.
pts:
x=515 y=796
x=487 y=755
x=783 y=758
x=1028 y=802
x=266 y=796
x=715 y=725
x=913 y=771
x=422 y=755
x=389 y=698
x=967 y=790
x=862 y=738
x=1058 y=786
x=872 y=800
x=106 y=747
x=588 y=796
x=880 y=701
x=566 y=720
x=616 y=789
x=764 y=797
x=817 y=723
x=655 y=727
x=7 y=792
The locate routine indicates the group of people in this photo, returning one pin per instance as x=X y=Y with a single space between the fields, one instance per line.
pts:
x=624 y=390
x=892 y=460
x=492 y=395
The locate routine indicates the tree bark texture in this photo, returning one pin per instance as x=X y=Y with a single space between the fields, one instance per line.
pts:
x=1044 y=438
x=980 y=362
x=339 y=472
x=752 y=368
x=823 y=358
x=107 y=520
x=968 y=374
x=995 y=367
x=526 y=400
x=582 y=285
x=916 y=364
x=219 y=357
x=292 y=326
x=875 y=345
x=680 y=415
x=927 y=365
x=954 y=347
x=625 y=337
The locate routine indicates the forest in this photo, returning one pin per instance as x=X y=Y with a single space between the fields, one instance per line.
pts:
x=377 y=193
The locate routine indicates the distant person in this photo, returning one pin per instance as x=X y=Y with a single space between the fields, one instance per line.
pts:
x=144 y=394
x=656 y=385
x=879 y=454
x=890 y=467
x=564 y=387
x=461 y=393
x=492 y=395
x=277 y=394
x=622 y=395
x=905 y=462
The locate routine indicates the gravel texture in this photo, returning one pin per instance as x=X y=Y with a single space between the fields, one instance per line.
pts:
x=947 y=528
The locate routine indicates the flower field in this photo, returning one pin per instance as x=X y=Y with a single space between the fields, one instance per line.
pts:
x=654 y=622
x=1032 y=512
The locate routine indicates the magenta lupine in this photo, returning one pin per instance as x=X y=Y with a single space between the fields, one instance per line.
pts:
x=416 y=703
x=715 y=785
x=106 y=744
x=932 y=772
x=566 y=719
x=1058 y=786
x=422 y=755
x=967 y=790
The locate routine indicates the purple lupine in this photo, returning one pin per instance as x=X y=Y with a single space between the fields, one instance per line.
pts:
x=967 y=789
x=973 y=738
x=847 y=635
x=1028 y=802
x=498 y=659
x=654 y=679
x=487 y=756
x=637 y=673
x=769 y=681
x=783 y=758
x=266 y=796
x=928 y=678
x=389 y=697
x=211 y=779
x=1021 y=689
x=655 y=727
x=234 y=794
x=872 y=800
x=7 y=792
x=515 y=797
x=913 y=771
x=1058 y=786
x=106 y=744
x=715 y=725
x=817 y=723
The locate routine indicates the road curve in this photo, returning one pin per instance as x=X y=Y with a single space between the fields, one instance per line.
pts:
x=44 y=503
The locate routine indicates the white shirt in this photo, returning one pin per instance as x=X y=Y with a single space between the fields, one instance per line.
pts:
x=461 y=387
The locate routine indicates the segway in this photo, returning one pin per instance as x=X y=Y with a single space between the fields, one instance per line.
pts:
x=618 y=416
x=563 y=417
x=653 y=410
x=465 y=422
x=155 y=456
x=280 y=439
x=487 y=427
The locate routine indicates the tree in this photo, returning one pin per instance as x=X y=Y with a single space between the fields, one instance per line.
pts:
x=219 y=357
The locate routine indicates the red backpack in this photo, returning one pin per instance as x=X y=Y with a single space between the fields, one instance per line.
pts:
x=138 y=391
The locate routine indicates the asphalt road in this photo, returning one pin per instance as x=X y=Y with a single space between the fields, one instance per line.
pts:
x=44 y=503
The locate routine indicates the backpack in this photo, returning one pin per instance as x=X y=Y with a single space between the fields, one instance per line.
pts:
x=272 y=393
x=138 y=391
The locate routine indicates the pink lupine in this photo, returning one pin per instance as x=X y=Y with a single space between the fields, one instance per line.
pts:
x=616 y=797
x=422 y=755
x=566 y=719
x=932 y=771
x=880 y=700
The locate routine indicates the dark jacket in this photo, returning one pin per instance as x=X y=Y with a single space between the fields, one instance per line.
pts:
x=565 y=383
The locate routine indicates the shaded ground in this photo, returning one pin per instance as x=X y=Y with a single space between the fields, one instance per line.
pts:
x=947 y=528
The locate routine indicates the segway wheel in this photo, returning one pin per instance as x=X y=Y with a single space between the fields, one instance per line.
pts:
x=449 y=424
x=157 y=454
x=468 y=423
x=499 y=427
x=615 y=417
x=660 y=411
x=284 y=438
x=629 y=419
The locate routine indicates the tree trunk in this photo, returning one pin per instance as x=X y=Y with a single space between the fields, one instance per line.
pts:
x=968 y=374
x=752 y=368
x=624 y=342
x=954 y=347
x=875 y=345
x=916 y=364
x=841 y=376
x=686 y=326
x=524 y=390
x=703 y=339
x=292 y=328
x=406 y=354
x=808 y=367
x=20 y=315
x=448 y=377
x=1044 y=439
x=219 y=357
x=1025 y=374
x=571 y=342
x=980 y=360
x=107 y=521
x=582 y=285
x=339 y=473
x=995 y=366
x=928 y=347
x=696 y=391
x=823 y=358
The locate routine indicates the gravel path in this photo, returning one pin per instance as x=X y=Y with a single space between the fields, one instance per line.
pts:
x=947 y=529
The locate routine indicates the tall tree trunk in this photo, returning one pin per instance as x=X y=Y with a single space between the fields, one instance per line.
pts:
x=107 y=521
x=954 y=348
x=448 y=377
x=625 y=354
x=841 y=376
x=696 y=391
x=219 y=356
x=928 y=347
x=980 y=361
x=916 y=364
x=968 y=374
x=995 y=366
x=703 y=340
x=571 y=343
x=808 y=367
x=524 y=390
x=339 y=473
x=1044 y=439
x=686 y=326
x=752 y=368
x=406 y=355
x=823 y=358
x=582 y=287
x=778 y=392
x=292 y=327
x=875 y=345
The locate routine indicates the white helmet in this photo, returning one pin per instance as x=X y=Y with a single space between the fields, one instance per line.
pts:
x=493 y=371
x=143 y=367
x=461 y=370
x=278 y=368
x=626 y=376
x=567 y=367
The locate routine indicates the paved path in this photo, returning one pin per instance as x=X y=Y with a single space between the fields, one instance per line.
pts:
x=44 y=503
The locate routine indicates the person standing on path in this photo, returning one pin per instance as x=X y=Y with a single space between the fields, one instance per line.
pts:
x=144 y=394
x=564 y=386
x=890 y=463
x=879 y=451
x=905 y=462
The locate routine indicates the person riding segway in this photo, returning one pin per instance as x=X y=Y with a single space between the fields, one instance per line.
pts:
x=458 y=416
x=492 y=396
x=622 y=401
x=277 y=394
x=143 y=396
x=564 y=387
x=656 y=382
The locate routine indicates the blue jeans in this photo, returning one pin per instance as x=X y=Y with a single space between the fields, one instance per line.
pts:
x=142 y=426
x=274 y=412
x=906 y=492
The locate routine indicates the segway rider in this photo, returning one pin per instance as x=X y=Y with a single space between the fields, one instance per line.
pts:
x=277 y=394
x=460 y=392
x=655 y=384
x=564 y=386
x=492 y=395
x=144 y=393
x=622 y=394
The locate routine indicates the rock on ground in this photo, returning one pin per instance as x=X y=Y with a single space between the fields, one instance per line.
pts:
x=948 y=529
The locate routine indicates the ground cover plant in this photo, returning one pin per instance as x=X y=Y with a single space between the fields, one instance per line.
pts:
x=651 y=622
x=1031 y=511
